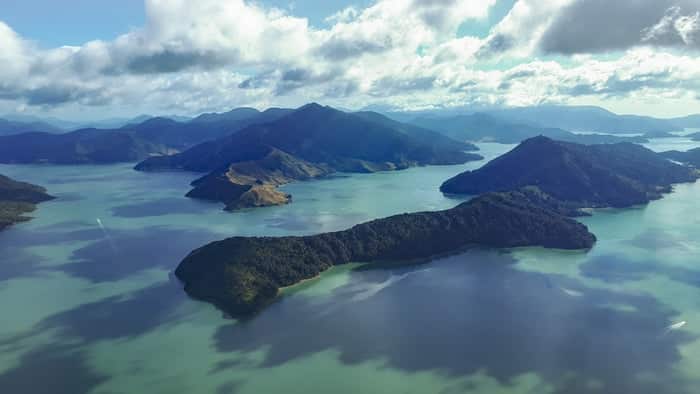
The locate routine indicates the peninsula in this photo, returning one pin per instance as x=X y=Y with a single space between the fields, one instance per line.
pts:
x=17 y=199
x=241 y=275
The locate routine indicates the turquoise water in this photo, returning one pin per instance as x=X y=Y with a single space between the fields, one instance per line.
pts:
x=90 y=306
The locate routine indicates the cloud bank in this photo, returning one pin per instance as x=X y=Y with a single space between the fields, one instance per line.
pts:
x=404 y=54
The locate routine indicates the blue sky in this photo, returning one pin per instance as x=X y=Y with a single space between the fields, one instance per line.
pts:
x=78 y=21
x=91 y=59
x=59 y=25
x=74 y=22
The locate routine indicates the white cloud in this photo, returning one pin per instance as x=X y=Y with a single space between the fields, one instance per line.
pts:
x=213 y=55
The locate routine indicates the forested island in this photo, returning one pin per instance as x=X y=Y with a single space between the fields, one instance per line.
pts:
x=606 y=175
x=242 y=275
x=17 y=199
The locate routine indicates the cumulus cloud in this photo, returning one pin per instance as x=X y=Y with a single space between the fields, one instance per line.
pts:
x=593 y=26
x=674 y=29
x=215 y=54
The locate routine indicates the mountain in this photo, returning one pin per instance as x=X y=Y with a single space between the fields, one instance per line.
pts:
x=235 y=115
x=78 y=147
x=318 y=134
x=310 y=142
x=687 y=122
x=242 y=275
x=56 y=124
x=132 y=142
x=659 y=134
x=18 y=198
x=691 y=157
x=484 y=127
x=423 y=134
x=607 y=175
x=583 y=118
x=10 y=127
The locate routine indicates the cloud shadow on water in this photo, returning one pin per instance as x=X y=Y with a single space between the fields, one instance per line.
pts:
x=162 y=207
x=120 y=254
x=619 y=269
x=51 y=369
x=476 y=312
x=61 y=368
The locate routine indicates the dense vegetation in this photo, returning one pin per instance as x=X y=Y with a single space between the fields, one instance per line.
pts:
x=17 y=199
x=691 y=157
x=612 y=175
x=243 y=274
x=483 y=127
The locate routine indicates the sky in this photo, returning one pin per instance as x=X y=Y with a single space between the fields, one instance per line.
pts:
x=87 y=59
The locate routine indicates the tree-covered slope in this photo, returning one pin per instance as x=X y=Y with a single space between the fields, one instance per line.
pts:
x=243 y=274
x=691 y=157
x=318 y=134
x=616 y=175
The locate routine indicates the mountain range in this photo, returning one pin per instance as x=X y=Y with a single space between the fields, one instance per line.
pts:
x=309 y=142
x=483 y=127
x=132 y=142
x=588 y=119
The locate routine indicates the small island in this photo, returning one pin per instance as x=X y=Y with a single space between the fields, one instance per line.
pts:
x=241 y=275
x=254 y=183
x=17 y=199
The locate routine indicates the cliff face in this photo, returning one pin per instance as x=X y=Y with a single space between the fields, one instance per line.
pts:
x=17 y=199
x=241 y=275
x=614 y=175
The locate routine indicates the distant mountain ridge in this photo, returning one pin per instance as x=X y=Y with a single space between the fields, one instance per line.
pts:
x=584 y=118
x=10 y=127
x=485 y=127
x=571 y=118
x=130 y=143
